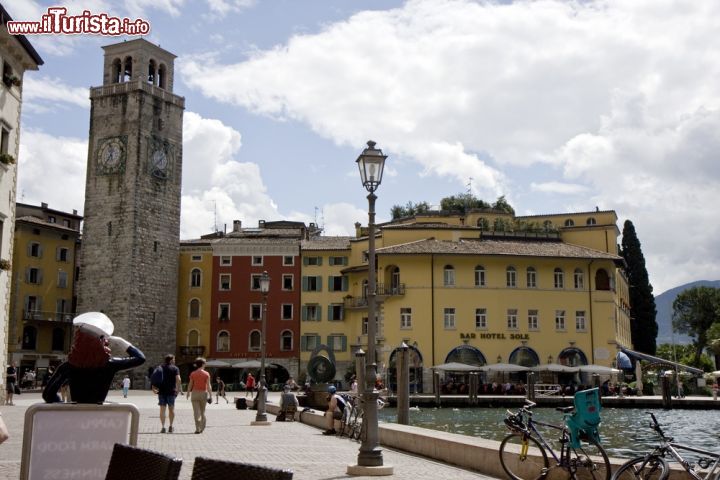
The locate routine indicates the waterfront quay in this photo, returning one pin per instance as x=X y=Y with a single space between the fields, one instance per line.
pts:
x=229 y=435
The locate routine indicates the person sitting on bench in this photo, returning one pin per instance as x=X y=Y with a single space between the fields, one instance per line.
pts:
x=288 y=404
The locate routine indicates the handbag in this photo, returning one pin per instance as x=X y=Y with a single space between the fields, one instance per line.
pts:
x=209 y=399
x=17 y=389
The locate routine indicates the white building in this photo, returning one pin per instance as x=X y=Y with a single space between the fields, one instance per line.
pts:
x=16 y=56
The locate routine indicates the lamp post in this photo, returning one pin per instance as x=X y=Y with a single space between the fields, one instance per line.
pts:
x=370 y=163
x=261 y=416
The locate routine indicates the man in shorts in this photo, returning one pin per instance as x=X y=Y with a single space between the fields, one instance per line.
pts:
x=170 y=387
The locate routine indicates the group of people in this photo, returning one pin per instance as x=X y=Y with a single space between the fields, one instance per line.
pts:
x=494 y=388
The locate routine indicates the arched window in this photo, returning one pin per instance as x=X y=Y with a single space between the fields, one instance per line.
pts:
x=602 y=280
x=525 y=356
x=195 y=277
x=531 y=277
x=572 y=357
x=579 y=279
x=162 y=74
x=569 y=223
x=116 y=71
x=558 y=278
x=466 y=354
x=479 y=276
x=286 y=341
x=416 y=369
x=152 y=77
x=591 y=221
x=127 y=69
x=193 y=338
x=511 y=277
x=254 y=345
x=449 y=276
x=194 y=308
x=223 y=341
x=58 y=339
x=29 y=338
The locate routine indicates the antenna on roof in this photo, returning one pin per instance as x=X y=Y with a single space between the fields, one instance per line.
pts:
x=215 y=225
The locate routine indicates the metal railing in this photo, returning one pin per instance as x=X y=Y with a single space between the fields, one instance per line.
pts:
x=382 y=290
x=192 y=350
x=48 y=316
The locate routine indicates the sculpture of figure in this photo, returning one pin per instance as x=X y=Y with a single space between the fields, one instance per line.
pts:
x=90 y=367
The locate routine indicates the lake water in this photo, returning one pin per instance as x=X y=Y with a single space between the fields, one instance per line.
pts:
x=625 y=432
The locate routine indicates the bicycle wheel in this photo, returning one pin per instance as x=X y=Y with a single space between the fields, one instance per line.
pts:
x=589 y=462
x=518 y=462
x=357 y=426
x=643 y=468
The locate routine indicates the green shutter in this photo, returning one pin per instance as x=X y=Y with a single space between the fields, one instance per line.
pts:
x=319 y=283
x=319 y=313
x=344 y=343
x=342 y=312
x=345 y=283
x=330 y=283
x=306 y=262
x=39 y=276
x=304 y=313
x=303 y=343
x=319 y=261
x=330 y=316
x=304 y=284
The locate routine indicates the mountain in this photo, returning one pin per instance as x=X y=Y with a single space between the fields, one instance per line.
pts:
x=663 y=303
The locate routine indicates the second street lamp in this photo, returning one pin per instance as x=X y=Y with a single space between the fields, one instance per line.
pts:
x=371 y=163
x=261 y=416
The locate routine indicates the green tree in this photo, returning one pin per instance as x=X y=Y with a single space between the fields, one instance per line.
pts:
x=503 y=206
x=685 y=354
x=643 y=327
x=462 y=202
x=694 y=312
x=398 y=211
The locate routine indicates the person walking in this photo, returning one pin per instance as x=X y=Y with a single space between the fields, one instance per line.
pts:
x=220 y=390
x=249 y=384
x=199 y=392
x=125 y=386
x=168 y=389
x=10 y=382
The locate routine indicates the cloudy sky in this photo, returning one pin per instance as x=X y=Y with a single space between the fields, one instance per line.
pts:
x=559 y=105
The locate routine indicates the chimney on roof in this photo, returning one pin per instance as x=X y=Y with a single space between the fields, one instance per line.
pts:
x=236 y=225
x=74 y=211
x=261 y=223
x=43 y=205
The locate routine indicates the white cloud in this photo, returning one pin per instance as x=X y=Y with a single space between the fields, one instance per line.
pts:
x=42 y=94
x=223 y=7
x=52 y=170
x=620 y=100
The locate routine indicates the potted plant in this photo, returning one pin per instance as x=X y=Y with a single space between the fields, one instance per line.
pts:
x=4 y=264
x=7 y=159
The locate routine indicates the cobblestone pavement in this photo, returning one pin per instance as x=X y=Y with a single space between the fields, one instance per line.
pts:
x=230 y=436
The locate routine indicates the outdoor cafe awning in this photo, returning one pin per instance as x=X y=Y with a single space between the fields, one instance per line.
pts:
x=650 y=358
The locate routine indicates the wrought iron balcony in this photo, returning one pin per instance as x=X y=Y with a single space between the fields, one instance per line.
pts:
x=382 y=290
x=48 y=316
x=192 y=350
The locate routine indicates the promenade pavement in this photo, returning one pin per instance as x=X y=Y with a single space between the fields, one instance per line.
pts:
x=229 y=436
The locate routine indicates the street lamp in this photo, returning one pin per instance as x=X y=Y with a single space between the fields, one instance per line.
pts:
x=261 y=416
x=370 y=163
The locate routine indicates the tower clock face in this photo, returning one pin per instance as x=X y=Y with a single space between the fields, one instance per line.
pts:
x=160 y=158
x=111 y=156
x=159 y=164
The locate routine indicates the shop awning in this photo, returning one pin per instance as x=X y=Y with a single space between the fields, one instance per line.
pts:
x=650 y=358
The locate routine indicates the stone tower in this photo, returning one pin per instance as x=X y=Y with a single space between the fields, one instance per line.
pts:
x=131 y=233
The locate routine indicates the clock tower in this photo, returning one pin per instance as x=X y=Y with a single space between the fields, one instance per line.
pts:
x=131 y=232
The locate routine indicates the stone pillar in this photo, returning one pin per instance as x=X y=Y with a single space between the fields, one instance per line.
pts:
x=530 y=394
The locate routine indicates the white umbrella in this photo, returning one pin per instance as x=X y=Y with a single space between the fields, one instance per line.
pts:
x=554 y=367
x=457 y=367
x=716 y=373
x=247 y=364
x=504 y=367
x=217 y=363
x=599 y=369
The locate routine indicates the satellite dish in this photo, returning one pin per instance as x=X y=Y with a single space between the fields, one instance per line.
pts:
x=96 y=321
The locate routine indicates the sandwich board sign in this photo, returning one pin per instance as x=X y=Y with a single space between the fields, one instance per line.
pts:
x=74 y=441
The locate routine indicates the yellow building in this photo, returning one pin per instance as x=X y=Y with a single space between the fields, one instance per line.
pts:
x=194 y=300
x=43 y=284
x=486 y=287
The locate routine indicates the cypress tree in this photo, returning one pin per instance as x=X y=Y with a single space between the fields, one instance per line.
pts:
x=643 y=327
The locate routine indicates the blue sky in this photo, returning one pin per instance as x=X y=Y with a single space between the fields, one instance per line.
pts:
x=560 y=106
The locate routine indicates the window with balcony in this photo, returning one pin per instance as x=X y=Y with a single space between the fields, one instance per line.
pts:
x=531 y=277
x=579 y=279
x=286 y=341
x=406 y=317
x=195 y=278
x=255 y=311
x=533 y=323
x=223 y=342
x=479 y=276
x=481 y=318
x=225 y=281
x=255 y=338
x=511 y=277
x=512 y=320
x=558 y=278
x=287 y=311
x=449 y=276
x=449 y=318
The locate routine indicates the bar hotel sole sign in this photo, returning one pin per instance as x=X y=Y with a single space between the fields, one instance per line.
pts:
x=495 y=336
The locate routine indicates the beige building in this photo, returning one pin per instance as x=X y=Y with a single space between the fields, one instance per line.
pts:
x=16 y=56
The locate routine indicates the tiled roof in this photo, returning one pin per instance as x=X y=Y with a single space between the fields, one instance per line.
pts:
x=266 y=232
x=429 y=226
x=497 y=247
x=326 y=243
x=45 y=223
x=567 y=214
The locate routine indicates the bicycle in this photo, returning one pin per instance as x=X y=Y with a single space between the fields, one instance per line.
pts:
x=654 y=466
x=354 y=414
x=524 y=453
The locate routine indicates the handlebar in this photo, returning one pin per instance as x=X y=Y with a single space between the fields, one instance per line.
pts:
x=655 y=425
